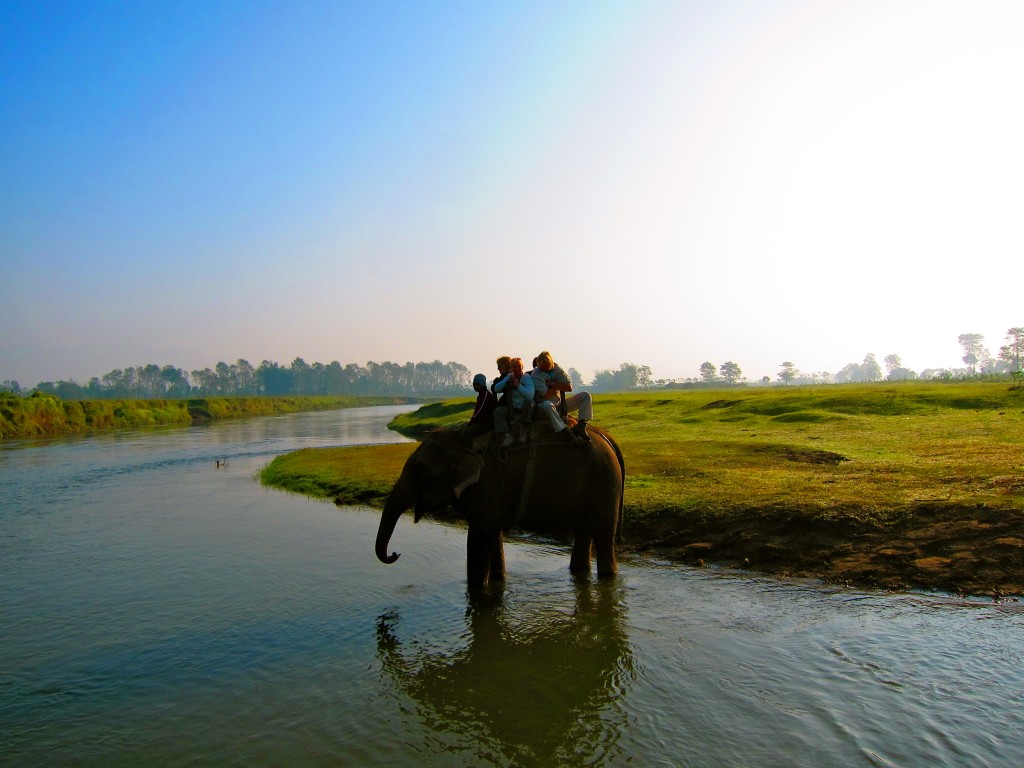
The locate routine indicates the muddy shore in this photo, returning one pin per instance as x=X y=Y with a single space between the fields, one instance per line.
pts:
x=944 y=548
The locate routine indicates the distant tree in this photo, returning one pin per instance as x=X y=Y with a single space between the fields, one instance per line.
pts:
x=1014 y=350
x=575 y=379
x=271 y=379
x=302 y=377
x=245 y=377
x=175 y=382
x=604 y=381
x=622 y=380
x=788 y=372
x=708 y=373
x=643 y=376
x=731 y=372
x=892 y=362
x=204 y=382
x=65 y=390
x=870 y=369
x=766 y=380
x=11 y=386
x=973 y=345
x=901 y=374
x=459 y=376
x=627 y=377
x=850 y=372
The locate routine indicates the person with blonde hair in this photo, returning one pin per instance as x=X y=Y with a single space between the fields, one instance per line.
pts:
x=549 y=381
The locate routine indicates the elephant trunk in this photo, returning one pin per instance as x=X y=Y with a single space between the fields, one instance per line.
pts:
x=398 y=501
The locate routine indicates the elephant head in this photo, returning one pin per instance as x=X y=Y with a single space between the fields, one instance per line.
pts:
x=434 y=477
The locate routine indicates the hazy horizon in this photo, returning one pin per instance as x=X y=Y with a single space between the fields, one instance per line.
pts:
x=660 y=183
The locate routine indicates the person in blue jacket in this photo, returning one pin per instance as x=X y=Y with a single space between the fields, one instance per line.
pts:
x=518 y=390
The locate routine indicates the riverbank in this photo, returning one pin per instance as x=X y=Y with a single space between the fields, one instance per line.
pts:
x=43 y=414
x=908 y=486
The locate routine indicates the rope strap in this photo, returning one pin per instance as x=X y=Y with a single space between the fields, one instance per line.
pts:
x=531 y=463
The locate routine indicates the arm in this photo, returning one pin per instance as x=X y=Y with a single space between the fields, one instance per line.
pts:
x=560 y=382
x=540 y=386
x=526 y=387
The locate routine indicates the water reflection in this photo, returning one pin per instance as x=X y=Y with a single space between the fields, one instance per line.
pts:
x=536 y=685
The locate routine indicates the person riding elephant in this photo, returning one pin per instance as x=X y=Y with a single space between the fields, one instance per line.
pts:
x=504 y=364
x=547 y=489
x=518 y=390
x=549 y=381
x=482 y=419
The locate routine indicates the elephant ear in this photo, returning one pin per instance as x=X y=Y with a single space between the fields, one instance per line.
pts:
x=468 y=464
x=480 y=442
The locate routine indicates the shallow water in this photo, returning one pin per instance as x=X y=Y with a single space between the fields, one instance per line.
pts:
x=159 y=610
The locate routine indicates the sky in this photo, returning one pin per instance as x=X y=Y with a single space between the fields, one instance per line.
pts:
x=656 y=183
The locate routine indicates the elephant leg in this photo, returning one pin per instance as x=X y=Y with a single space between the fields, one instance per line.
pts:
x=498 y=559
x=479 y=553
x=580 y=560
x=604 y=548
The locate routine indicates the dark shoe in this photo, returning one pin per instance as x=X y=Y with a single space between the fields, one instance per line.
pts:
x=580 y=430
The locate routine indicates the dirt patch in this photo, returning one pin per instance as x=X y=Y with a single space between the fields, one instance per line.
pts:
x=806 y=455
x=962 y=550
x=715 y=404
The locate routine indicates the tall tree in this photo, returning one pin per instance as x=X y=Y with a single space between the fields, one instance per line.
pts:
x=175 y=381
x=622 y=380
x=643 y=376
x=973 y=345
x=892 y=362
x=273 y=379
x=708 y=373
x=730 y=372
x=245 y=377
x=1013 y=352
x=788 y=372
x=870 y=369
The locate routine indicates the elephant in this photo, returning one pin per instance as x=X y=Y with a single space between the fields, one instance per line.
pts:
x=570 y=487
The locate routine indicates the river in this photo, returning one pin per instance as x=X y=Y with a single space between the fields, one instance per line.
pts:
x=158 y=609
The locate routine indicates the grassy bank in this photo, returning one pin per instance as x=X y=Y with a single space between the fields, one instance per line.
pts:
x=916 y=485
x=48 y=415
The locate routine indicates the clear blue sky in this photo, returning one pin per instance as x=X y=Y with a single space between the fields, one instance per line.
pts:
x=660 y=183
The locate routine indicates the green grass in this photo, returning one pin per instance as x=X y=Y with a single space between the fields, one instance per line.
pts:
x=49 y=415
x=861 y=450
x=351 y=475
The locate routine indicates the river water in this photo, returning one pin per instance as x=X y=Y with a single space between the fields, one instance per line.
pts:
x=160 y=610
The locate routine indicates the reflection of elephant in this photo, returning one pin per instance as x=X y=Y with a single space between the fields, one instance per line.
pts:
x=570 y=487
x=525 y=685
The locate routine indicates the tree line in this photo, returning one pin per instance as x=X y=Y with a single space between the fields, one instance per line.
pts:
x=453 y=379
x=977 y=360
x=242 y=379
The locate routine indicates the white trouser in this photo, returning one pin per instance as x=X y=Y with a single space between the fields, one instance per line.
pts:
x=581 y=402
